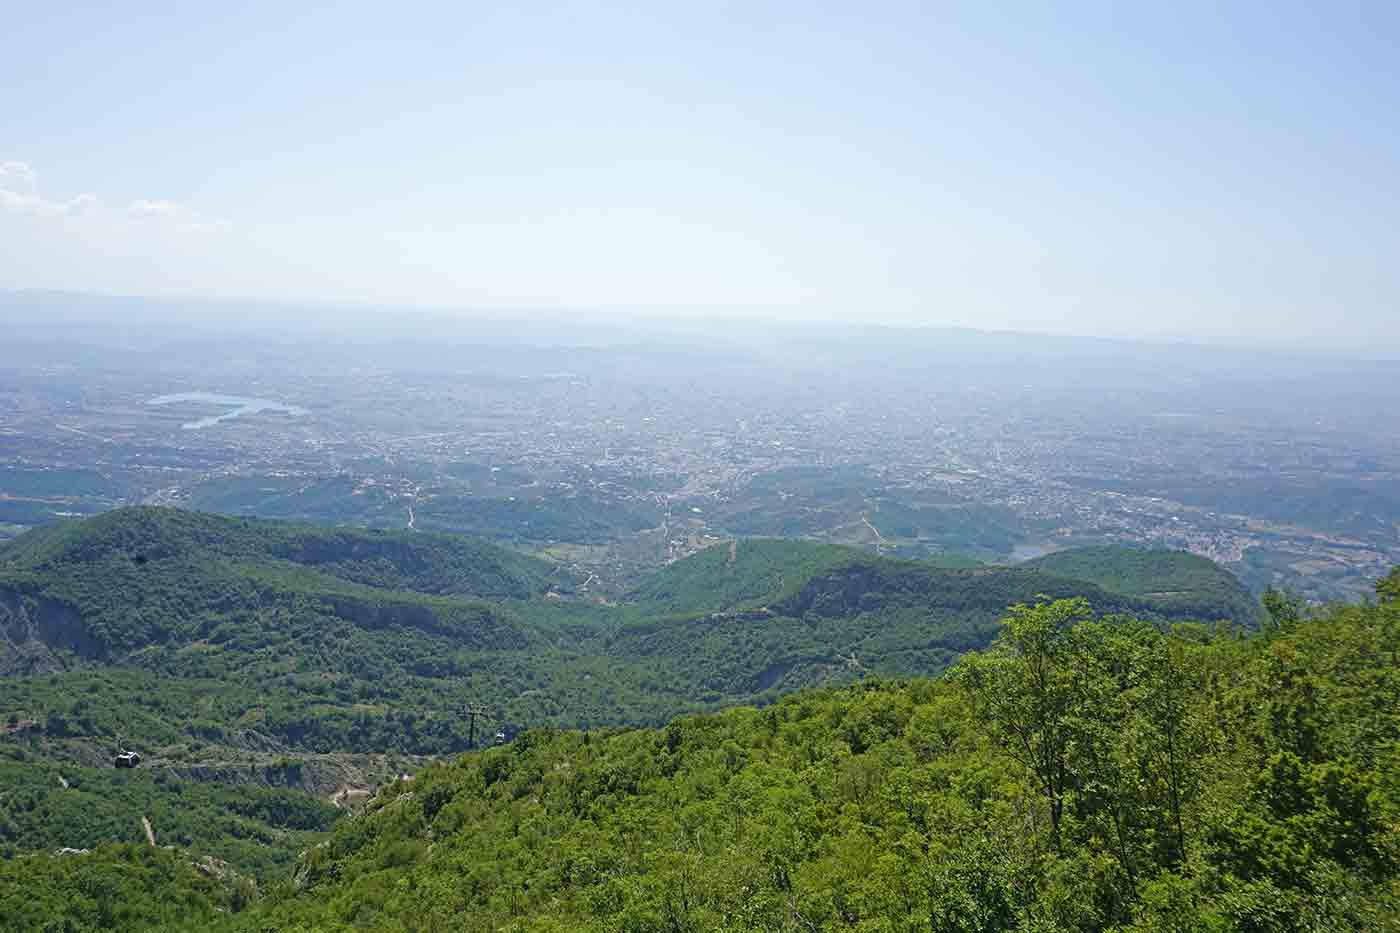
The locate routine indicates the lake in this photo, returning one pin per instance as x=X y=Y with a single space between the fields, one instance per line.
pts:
x=236 y=404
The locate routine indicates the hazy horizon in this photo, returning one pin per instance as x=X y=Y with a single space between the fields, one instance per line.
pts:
x=61 y=308
x=1193 y=174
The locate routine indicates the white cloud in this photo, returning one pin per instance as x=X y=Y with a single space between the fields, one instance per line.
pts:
x=18 y=177
x=20 y=194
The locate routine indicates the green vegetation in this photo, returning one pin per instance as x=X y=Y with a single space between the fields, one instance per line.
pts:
x=1183 y=582
x=801 y=576
x=188 y=626
x=116 y=887
x=749 y=574
x=38 y=512
x=47 y=806
x=787 y=614
x=1085 y=773
x=156 y=543
x=261 y=667
x=19 y=482
x=1388 y=588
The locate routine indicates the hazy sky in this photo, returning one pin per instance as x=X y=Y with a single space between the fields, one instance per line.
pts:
x=1126 y=168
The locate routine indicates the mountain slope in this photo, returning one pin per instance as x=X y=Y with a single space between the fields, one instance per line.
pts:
x=265 y=653
x=1173 y=806
x=757 y=618
x=445 y=565
x=743 y=573
x=750 y=574
x=137 y=577
x=117 y=887
x=264 y=662
x=1177 y=581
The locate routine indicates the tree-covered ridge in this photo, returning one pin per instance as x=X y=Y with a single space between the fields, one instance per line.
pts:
x=229 y=661
x=840 y=615
x=796 y=577
x=741 y=574
x=1177 y=580
x=246 y=658
x=147 y=585
x=438 y=564
x=1085 y=773
x=137 y=577
x=756 y=573
x=223 y=640
x=750 y=620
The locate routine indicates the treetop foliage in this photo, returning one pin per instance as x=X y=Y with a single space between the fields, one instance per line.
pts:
x=1388 y=587
x=1084 y=773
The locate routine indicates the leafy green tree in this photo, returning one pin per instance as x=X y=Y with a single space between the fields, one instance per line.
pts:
x=1283 y=609
x=1028 y=695
x=1388 y=587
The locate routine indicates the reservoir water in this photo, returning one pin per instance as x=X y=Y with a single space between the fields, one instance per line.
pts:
x=236 y=405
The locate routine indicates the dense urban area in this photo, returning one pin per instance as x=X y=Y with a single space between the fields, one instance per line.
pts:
x=617 y=447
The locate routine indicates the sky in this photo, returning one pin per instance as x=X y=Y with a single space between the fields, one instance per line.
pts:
x=1124 y=169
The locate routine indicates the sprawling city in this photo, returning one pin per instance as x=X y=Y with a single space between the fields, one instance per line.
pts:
x=618 y=449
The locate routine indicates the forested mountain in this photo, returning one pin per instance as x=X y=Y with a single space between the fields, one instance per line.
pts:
x=1176 y=581
x=755 y=616
x=129 y=572
x=272 y=672
x=798 y=576
x=1081 y=774
x=332 y=625
x=330 y=640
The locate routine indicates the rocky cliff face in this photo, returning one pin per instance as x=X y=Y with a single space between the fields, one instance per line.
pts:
x=37 y=634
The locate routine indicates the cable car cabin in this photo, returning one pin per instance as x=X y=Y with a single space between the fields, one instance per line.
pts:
x=127 y=759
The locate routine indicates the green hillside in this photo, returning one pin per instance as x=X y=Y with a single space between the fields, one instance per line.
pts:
x=800 y=576
x=313 y=661
x=155 y=540
x=740 y=574
x=117 y=887
x=259 y=667
x=1078 y=776
x=257 y=826
x=1178 y=581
